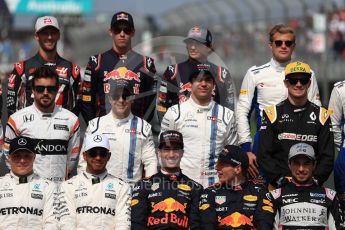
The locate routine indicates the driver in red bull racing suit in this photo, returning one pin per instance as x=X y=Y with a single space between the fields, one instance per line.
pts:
x=235 y=202
x=168 y=199
x=120 y=62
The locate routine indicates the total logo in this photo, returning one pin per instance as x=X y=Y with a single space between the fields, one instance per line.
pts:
x=122 y=73
x=235 y=220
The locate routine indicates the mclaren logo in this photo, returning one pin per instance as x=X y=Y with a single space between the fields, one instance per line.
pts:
x=97 y=138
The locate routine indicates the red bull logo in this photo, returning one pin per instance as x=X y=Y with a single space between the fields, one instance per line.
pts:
x=122 y=73
x=168 y=218
x=169 y=205
x=185 y=87
x=235 y=220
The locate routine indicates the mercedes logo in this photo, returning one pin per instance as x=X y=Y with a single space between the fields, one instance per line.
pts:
x=22 y=141
x=97 y=138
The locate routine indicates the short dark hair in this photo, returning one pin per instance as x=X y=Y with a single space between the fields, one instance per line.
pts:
x=281 y=28
x=44 y=72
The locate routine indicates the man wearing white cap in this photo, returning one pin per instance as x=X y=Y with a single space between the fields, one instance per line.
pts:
x=175 y=86
x=300 y=202
x=95 y=198
x=19 y=95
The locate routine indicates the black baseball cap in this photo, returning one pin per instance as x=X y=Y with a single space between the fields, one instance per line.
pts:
x=169 y=138
x=122 y=17
x=234 y=155
x=22 y=143
x=201 y=70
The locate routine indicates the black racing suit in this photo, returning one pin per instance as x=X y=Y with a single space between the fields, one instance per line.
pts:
x=305 y=207
x=240 y=207
x=166 y=202
x=19 y=93
x=175 y=86
x=137 y=69
x=284 y=125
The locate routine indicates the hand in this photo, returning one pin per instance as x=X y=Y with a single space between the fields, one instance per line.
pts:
x=253 y=165
x=283 y=181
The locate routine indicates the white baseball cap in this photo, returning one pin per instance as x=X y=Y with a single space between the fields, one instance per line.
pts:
x=302 y=149
x=96 y=140
x=45 y=21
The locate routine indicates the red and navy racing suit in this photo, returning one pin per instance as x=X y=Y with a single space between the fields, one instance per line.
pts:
x=137 y=69
x=19 y=93
x=175 y=86
x=166 y=202
x=284 y=125
x=244 y=206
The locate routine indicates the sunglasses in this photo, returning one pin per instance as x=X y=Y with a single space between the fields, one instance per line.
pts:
x=288 y=43
x=41 y=88
x=102 y=154
x=126 y=30
x=293 y=81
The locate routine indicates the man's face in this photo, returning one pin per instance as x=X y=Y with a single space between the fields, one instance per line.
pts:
x=44 y=92
x=21 y=162
x=96 y=159
x=302 y=169
x=202 y=87
x=47 y=38
x=297 y=86
x=227 y=173
x=121 y=102
x=122 y=35
x=170 y=156
x=282 y=46
x=197 y=50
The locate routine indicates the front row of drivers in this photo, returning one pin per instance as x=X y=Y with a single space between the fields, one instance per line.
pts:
x=94 y=199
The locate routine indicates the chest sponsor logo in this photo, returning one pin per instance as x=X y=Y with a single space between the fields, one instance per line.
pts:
x=297 y=137
x=61 y=71
x=156 y=194
x=290 y=200
x=235 y=220
x=220 y=199
x=61 y=127
x=110 y=196
x=37 y=196
x=169 y=205
x=96 y=210
x=28 y=118
x=154 y=186
x=122 y=73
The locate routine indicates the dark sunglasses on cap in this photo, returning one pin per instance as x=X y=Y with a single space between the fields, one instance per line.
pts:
x=125 y=95
x=95 y=153
x=41 y=88
x=293 y=81
x=288 y=43
x=118 y=29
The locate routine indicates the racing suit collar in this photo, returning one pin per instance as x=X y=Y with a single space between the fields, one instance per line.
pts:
x=47 y=63
x=195 y=62
x=277 y=65
x=302 y=185
x=170 y=177
x=201 y=107
x=296 y=108
x=123 y=56
x=21 y=179
x=119 y=122
x=91 y=176
x=56 y=109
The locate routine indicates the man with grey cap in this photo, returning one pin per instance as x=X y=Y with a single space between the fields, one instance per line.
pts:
x=175 y=86
x=301 y=202
x=130 y=137
x=27 y=201
x=94 y=198
x=19 y=94
x=235 y=202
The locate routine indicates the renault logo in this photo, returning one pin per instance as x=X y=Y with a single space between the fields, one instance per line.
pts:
x=22 y=141
x=97 y=138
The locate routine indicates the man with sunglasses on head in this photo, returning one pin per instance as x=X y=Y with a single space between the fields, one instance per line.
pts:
x=175 y=86
x=19 y=94
x=168 y=199
x=27 y=201
x=294 y=120
x=95 y=199
x=263 y=86
x=120 y=62
x=54 y=129
x=130 y=137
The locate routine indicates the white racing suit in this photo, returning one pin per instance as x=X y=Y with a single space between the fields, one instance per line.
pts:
x=94 y=202
x=56 y=135
x=206 y=130
x=131 y=146
x=263 y=86
x=27 y=203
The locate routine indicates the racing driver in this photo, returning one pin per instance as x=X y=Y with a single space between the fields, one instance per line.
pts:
x=168 y=199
